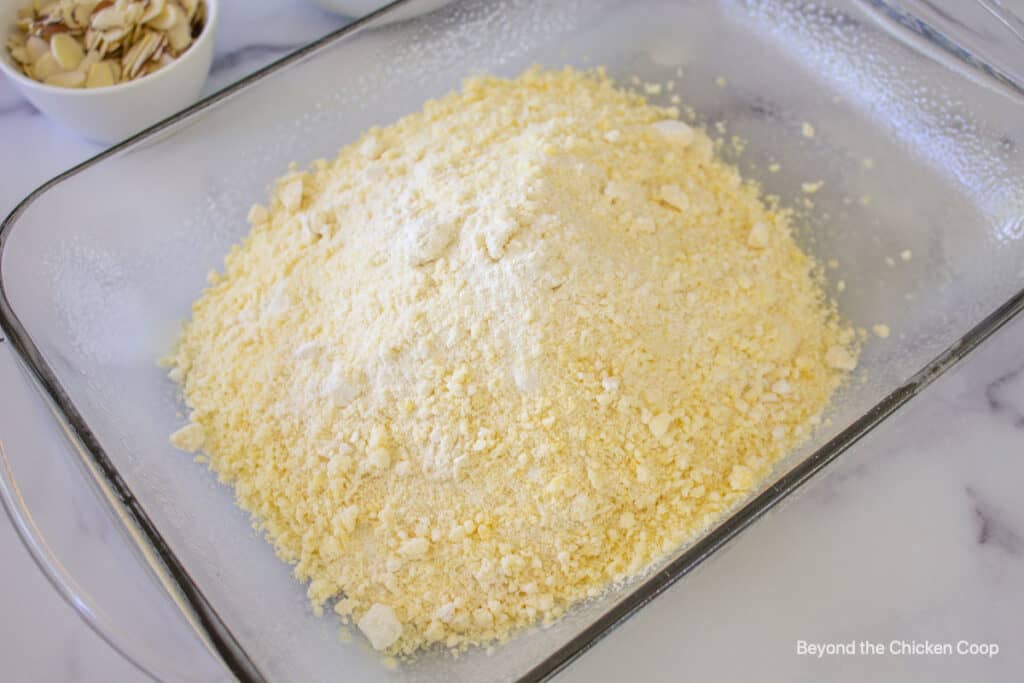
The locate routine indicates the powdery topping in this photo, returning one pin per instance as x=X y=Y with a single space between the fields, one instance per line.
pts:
x=501 y=353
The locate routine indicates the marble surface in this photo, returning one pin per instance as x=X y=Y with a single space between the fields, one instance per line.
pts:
x=917 y=534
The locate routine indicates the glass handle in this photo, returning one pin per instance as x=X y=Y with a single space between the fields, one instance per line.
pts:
x=81 y=546
x=987 y=34
x=1006 y=16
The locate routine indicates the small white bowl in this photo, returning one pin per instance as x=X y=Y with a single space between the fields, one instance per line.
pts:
x=113 y=113
x=351 y=8
x=360 y=8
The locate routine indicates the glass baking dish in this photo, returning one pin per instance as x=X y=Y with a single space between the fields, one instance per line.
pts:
x=916 y=136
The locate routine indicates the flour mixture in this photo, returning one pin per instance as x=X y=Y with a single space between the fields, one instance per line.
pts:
x=503 y=353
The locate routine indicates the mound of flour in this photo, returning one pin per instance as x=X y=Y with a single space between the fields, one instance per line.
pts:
x=501 y=353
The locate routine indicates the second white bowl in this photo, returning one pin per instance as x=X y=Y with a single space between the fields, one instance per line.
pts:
x=360 y=8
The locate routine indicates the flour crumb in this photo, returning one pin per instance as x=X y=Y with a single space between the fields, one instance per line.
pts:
x=380 y=626
x=290 y=195
x=674 y=196
x=675 y=131
x=840 y=358
x=659 y=425
x=758 y=236
x=189 y=438
x=258 y=214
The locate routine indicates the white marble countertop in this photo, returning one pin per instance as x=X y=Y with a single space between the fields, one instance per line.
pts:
x=917 y=534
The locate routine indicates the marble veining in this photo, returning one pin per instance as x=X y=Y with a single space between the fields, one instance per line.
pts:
x=1004 y=395
x=993 y=529
x=21 y=107
x=915 y=533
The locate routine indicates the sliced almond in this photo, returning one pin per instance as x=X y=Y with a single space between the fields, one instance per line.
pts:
x=107 y=18
x=179 y=37
x=91 y=58
x=50 y=9
x=36 y=48
x=45 y=67
x=134 y=34
x=100 y=76
x=68 y=79
x=15 y=40
x=66 y=51
x=66 y=16
x=92 y=39
x=82 y=15
x=191 y=7
x=105 y=42
x=20 y=54
x=153 y=9
x=48 y=31
x=168 y=18
x=152 y=66
x=139 y=53
x=133 y=12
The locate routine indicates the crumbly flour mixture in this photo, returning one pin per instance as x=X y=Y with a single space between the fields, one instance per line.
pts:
x=502 y=353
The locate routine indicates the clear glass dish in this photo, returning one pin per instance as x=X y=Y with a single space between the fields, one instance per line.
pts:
x=916 y=136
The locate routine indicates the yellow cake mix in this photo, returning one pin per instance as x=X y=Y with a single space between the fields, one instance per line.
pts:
x=502 y=353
